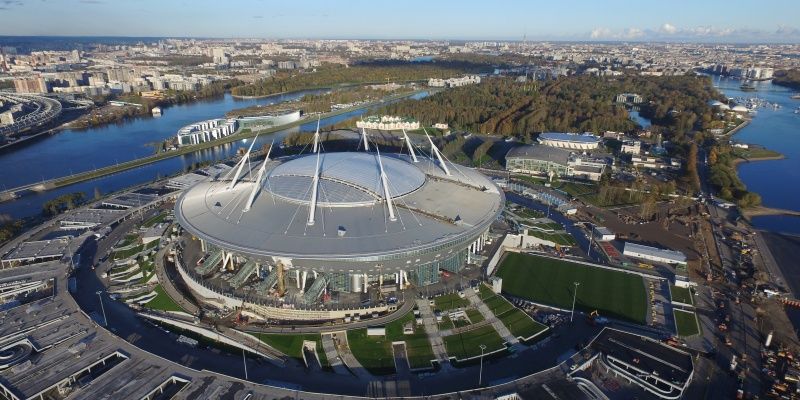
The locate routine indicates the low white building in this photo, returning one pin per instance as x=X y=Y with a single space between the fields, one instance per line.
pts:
x=603 y=234
x=205 y=131
x=631 y=147
x=454 y=82
x=654 y=254
x=388 y=123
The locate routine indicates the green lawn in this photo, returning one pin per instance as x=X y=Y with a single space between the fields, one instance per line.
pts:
x=520 y=324
x=474 y=316
x=686 y=323
x=155 y=220
x=497 y=304
x=292 y=344
x=162 y=301
x=681 y=295
x=450 y=302
x=123 y=254
x=550 y=281
x=375 y=352
x=446 y=323
x=467 y=344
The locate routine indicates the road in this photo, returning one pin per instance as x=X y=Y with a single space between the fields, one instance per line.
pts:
x=126 y=325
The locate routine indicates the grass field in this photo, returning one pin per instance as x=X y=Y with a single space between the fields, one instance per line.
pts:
x=681 y=295
x=446 y=323
x=162 y=301
x=467 y=344
x=497 y=304
x=550 y=281
x=375 y=352
x=474 y=316
x=292 y=345
x=686 y=323
x=450 y=302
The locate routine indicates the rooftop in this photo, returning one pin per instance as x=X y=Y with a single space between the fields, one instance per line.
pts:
x=569 y=137
x=655 y=252
x=538 y=152
x=38 y=249
x=431 y=208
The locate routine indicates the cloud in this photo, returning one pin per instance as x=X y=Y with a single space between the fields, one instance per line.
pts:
x=668 y=28
x=258 y=16
x=605 y=33
x=600 y=33
x=669 y=32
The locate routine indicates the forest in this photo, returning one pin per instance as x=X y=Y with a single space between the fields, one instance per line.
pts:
x=788 y=78
x=329 y=75
x=676 y=105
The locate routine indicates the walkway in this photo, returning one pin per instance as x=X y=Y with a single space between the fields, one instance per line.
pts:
x=434 y=336
x=169 y=287
x=488 y=315
x=329 y=347
x=348 y=358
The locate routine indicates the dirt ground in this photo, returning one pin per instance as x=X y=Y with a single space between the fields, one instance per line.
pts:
x=675 y=236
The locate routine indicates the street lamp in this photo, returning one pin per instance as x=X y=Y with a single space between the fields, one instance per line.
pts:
x=480 y=372
x=574 y=297
x=591 y=236
x=99 y=297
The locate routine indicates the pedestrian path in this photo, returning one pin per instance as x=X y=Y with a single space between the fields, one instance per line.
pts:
x=489 y=316
x=347 y=357
x=166 y=283
x=434 y=336
x=329 y=347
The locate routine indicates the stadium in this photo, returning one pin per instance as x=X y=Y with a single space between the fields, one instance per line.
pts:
x=306 y=236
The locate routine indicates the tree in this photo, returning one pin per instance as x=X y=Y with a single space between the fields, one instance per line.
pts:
x=97 y=194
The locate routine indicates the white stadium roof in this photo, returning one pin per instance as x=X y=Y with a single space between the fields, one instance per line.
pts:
x=432 y=208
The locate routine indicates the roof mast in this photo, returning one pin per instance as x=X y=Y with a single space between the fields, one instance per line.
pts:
x=316 y=138
x=241 y=165
x=314 y=184
x=436 y=152
x=385 y=185
x=364 y=138
x=259 y=177
x=410 y=147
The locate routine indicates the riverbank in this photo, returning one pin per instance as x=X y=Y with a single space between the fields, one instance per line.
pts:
x=112 y=169
x=755 y=159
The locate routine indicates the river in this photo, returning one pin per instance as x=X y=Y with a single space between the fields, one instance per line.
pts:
x=72 y=151
x=777 y=181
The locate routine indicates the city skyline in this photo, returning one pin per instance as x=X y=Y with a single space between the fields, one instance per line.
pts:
x=711 y=22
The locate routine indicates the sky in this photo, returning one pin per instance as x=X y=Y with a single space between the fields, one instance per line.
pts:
x=569 y=20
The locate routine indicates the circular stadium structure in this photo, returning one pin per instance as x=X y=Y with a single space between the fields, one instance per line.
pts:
x=295 y=229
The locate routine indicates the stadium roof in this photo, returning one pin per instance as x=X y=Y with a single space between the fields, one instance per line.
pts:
x=351 y=216
x=569 y=137
x=345 y=178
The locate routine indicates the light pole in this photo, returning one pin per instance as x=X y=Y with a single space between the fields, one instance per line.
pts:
x=480 y=371
x=99 y=297
x=574 y=297
x=591 y=236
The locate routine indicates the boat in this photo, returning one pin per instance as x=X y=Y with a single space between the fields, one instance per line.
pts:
x=796 y=96
x=748 y=87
